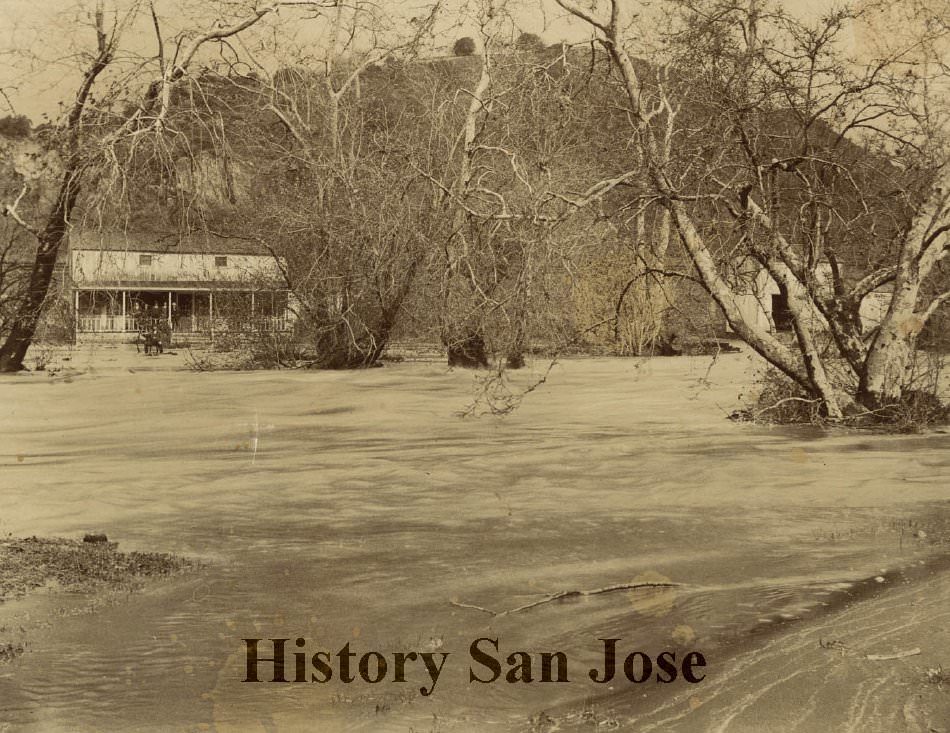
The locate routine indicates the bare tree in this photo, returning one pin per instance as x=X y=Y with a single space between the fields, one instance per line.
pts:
x=506 y=255
x=774 y=162
x=333 y=199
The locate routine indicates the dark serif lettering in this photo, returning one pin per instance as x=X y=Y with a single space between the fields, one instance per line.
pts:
x=610 y=661
x=485 y=660
x=253 y=660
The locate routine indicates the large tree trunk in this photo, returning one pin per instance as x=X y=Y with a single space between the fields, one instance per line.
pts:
x=886 y=369
x=883 y=380
x=14 y=349
x=515 y=358
x=805 y=320
x=27 y=317
x=760 y=339
x=885 y=372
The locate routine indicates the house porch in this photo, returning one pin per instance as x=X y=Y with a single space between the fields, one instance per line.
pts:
x=188 y=311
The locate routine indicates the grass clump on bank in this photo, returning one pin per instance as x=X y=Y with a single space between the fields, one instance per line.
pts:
x=781 y=401
x=29 y=563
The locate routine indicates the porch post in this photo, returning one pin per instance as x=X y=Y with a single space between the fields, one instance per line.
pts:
x=124 y=321
x=211 y=312
x=76 y=315
x=169 y=318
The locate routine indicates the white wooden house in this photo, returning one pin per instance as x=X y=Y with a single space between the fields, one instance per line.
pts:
x=200 y=283
x=763 y=303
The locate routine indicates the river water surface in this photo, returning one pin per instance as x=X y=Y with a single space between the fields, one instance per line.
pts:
x=359 y=508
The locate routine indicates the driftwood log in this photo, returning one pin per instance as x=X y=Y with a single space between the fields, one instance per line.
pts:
x=562 y=594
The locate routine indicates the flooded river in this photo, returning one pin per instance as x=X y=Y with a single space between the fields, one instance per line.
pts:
x=359 y=508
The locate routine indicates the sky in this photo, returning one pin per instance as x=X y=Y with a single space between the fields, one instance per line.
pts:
x=38 y=69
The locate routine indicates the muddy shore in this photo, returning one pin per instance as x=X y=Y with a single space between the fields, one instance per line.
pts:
x=878 y=660
x=87 y=569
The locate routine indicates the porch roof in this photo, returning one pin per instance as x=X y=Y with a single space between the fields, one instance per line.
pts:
x=183 y=285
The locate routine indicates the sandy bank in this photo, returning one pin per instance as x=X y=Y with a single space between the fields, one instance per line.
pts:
x=878 y=664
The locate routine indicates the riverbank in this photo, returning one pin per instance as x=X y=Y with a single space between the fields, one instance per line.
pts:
x=92 y=567
x=879 y=661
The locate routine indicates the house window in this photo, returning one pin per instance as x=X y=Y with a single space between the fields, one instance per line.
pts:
x=220 y=261
x=781 y=315
x=145 y=260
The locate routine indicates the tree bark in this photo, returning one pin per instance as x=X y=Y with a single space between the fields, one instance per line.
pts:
x=27 y=317
x=886 y=369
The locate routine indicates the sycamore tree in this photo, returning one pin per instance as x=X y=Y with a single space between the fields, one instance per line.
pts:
x=23 y=160
x=504 y=154
x=331 y=197
x=772 y=144
x=129 y=59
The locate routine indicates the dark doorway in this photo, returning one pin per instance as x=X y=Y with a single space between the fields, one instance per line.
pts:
x=781 y=315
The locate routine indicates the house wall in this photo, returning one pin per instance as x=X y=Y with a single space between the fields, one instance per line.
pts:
x=756 y=304
x=92 y=266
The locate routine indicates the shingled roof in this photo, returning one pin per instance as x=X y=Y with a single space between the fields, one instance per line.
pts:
x=165 y=243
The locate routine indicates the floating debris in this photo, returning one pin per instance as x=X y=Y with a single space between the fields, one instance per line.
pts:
x=898 y=655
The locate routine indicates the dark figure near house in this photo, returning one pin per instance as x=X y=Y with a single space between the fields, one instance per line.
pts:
x=152 y=331
x=155 y=327
x=152 y=345
x=164 y=334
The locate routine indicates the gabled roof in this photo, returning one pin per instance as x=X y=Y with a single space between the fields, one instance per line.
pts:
x=258 y=285
x=165 y=243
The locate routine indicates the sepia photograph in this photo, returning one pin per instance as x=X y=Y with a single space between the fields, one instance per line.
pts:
x=447 y=366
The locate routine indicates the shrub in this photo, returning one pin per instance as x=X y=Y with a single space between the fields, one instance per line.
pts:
x=530 y=42
x=783 y=402
x=780 y=401
x=464 y=46
x=15 y=126
x=917 y=409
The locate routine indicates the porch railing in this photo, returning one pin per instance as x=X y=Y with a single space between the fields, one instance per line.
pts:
x=182 y=324
x=101 y=324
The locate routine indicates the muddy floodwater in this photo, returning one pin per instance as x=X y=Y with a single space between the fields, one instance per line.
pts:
x=358 y=507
